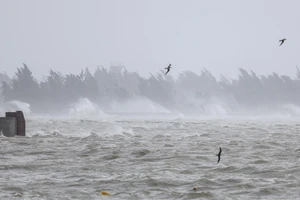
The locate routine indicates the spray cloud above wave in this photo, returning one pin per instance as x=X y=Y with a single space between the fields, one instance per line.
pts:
x=12 y=106
x=84 y=107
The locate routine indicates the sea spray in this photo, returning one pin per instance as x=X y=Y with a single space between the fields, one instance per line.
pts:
x=137 y=104
x=84 y=107
x=13 y=106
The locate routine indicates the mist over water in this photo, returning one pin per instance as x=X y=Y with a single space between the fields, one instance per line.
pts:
x=137 y=105
x=141 y=108
x=193 y=109
x=151 y=139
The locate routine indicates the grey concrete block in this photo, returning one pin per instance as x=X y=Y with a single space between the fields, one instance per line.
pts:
x=8 y=126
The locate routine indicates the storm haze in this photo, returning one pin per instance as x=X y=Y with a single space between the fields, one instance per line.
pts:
x=110 y=56
x=145 y=36
x=134 y=99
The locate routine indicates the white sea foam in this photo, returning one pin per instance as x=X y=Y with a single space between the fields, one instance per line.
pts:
x=259 y=156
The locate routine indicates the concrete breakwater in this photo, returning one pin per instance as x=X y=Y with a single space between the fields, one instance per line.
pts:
x=13 y=124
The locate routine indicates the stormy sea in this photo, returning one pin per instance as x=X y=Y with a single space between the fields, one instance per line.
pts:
x=152 y=156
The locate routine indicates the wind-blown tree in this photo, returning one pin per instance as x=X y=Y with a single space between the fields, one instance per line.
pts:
x=57 y=91
x=159 y=89
x=144 y=87
x=74 y=87
x=225 y=84
x=189 y=83
x=257 y=89
x=52 y=91
x=274 y=88
x=248 y=88
x=6 y=92
x=4 y=87
x=4 y=78
x=24 y=86
x=130 y=81
x=104 y=81
x=296 y=88
x=91 y=87
x=290 y=90
x=118 y=90
x=202 y=87
x=112 y=84
x=209 y=82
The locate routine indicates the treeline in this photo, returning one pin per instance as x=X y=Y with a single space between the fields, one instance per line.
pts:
x=57 y=91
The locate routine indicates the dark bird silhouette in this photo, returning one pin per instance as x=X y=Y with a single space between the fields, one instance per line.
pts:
x=168 y=69
x=282 y=41
x=219 y=155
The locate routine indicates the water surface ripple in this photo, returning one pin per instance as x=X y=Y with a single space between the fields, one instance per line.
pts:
x=152 y=159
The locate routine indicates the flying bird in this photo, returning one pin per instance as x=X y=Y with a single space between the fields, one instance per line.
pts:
x=219 y=155
x=282 y=41
x=168 y=69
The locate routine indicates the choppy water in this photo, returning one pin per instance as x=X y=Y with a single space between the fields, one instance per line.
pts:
x=152 y=159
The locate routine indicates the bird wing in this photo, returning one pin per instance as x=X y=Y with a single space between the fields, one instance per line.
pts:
x=282 y=41
x=219 y=158
x=168 y=69
x=220 y=150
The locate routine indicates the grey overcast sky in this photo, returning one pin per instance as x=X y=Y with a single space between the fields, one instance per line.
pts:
x=146 y=35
